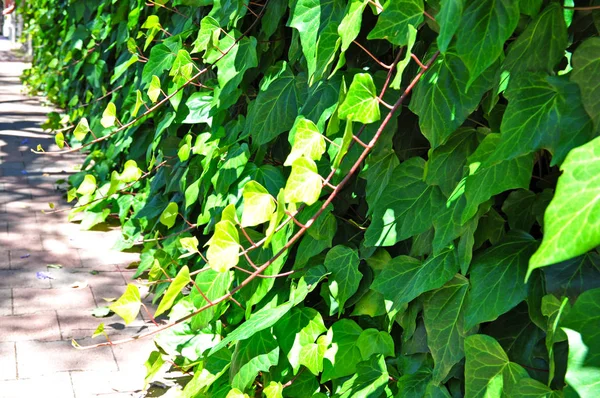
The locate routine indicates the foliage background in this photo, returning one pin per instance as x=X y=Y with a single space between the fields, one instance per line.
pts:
x=303 y=238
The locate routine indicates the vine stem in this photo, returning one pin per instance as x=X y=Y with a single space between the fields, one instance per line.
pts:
x=298 y=234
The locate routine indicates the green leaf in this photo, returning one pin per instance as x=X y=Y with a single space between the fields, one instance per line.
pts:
x=582 y=378
x=542 y=112
x=223 y=247
x=169 y=215
x=59 y=139
x=180 y=281
x=570 y=229
x=488 y=372
x=530 y=7
x=311 y=355
x=232 y=67
x=190 y=245
x=586 y=67
x=373 y=341
x=259 y=205
x=482 y=31
x=131 y=172
x=161 y=59
x=231 y=168
x=101 y=312
x=128 y=305
x=109 y=116
x=81 y=131
x=530 y=388
x=304 y=183
x=275 y=108
x=484 y=182
x=406 y=208
x=208 y=34
x=274 y=390
x=518 y=206
x=378 y=174
x=87 y=186
x=343 y=263
x=584 y=318
x=361 y=103
x=450 y=12
x=370 y=379
x=344 y=145
x=572 y=277
x=154 y=90
x=312 y=19
x=403 y=63
x=299 y=328
x=393 y=22
x=139 y=101
x=99 y=330
x=445 y=165
x=343 y=355
x=306 y=141
x=497 y=279
x=349 y=28
x=525 y=54
x=213 y=286
x=257 y=354
x=405 y=278
x=444 y=313
x=445 y=97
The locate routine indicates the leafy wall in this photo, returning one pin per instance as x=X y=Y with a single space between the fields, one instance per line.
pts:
x=343 y=198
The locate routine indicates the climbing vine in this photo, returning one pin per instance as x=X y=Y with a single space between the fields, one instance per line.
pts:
x=342 y=198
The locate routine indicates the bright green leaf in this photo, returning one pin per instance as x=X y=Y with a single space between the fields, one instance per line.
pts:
x=361 y=103
x=109 y=116
x=82 y=129
x=395 y=19
x=223 y=247
x=304 y=183
x=307 y=141
x=343 y=263
x=128 y=305
x=180 y=281
x=259 y=205
x=169 y=215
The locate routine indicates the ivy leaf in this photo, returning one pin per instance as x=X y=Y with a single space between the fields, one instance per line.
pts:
x=180 y=281
x=169 y=215
x=378 y=174
x=518 y=206
x=542 y=112
x=306 y=141
x=231 y=68
x=393 y=22
x=128 y=305
x=207 y=34
x=223 y=247
x=259 y=205
x=154 y=89
x=343 y=355
x=213 y=285
x=488 y=372
x=482 y=31
x=343 y=263
x=484 y=182
x=275 y=108
x=373 y=341
x=445 y=165
x=257 y=354
x=199 y=106
x=443 y=103
x=349 y=28
x=403 y=63
x=87 y=186
x=405 y=278
x=548 y=27
x=370 y=379
x=586 y=65
x=304 y=183
x=81 y=131
x=59 y=140
x=572 y=277
x=298 y=328
x=584 y=318
x=274 y=390
x=568 y=229
x=361 y=103
x=311 y=18
x=131 y=172
x=311 y=355
x=109 y=116
x=450 y=12
x=582 y=378
x=161 y=59
x=444 y=313
x=406 y=208
x=530 y=388
x=497 y=279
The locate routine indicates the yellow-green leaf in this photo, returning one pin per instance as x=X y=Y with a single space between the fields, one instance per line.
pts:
x=128 y=305
x=180 y=281
x=154 y=89
x=169 y=215
x=109 y=116
x=259 y=205
x=224 y=247
x=304 y=183
x=80 y=131
x=88 y=185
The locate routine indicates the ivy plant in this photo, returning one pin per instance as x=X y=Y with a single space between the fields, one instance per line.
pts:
x=342 y=198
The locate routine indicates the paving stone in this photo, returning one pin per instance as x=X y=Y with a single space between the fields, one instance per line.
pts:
x=8 y=362
x=35 y=277
x=79 y=324
x=101 y=259
x=41 y=326
x=4 y=259
x=61 y=356
x=133 y=355
x=5 y=302
x=55 y=386
x=26 y=301
x=108 y=384
x=28 y=259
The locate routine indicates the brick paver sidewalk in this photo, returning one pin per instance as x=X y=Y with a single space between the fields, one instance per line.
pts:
x=41 y=309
